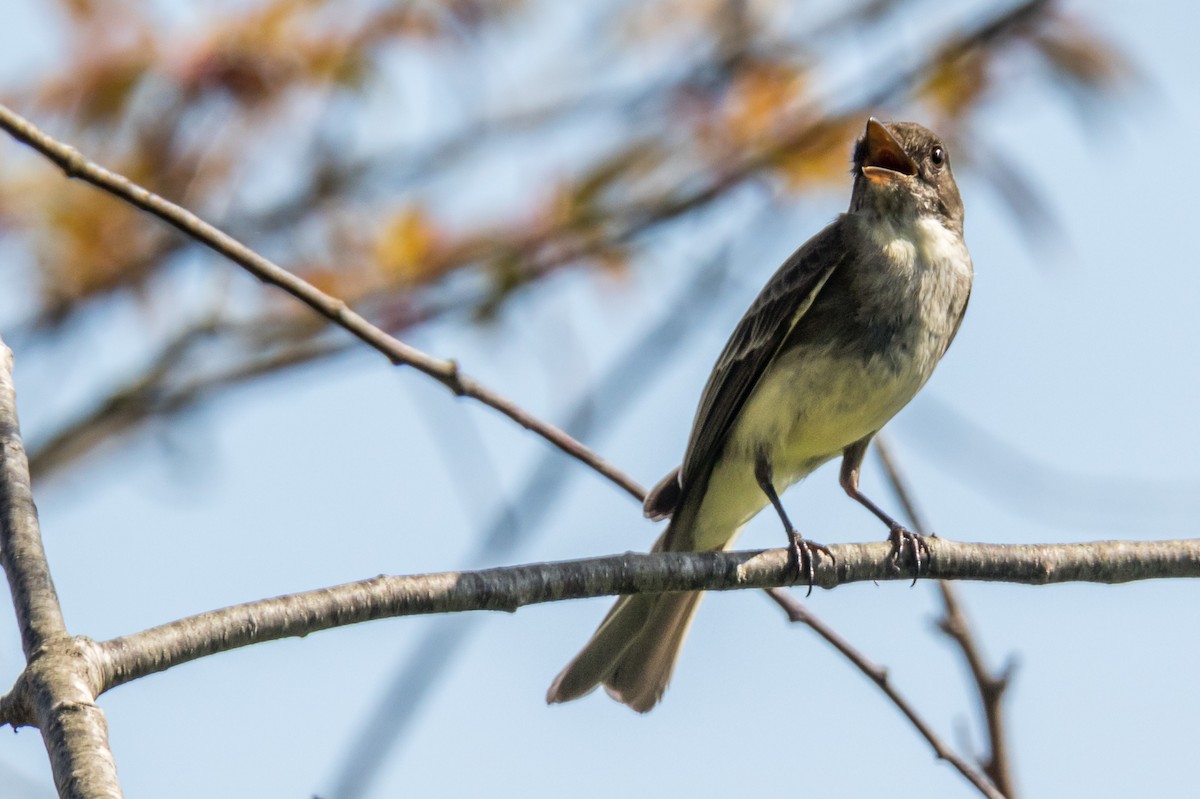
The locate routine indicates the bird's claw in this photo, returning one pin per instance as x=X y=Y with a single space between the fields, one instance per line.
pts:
x=902 y=539
x=802 y=557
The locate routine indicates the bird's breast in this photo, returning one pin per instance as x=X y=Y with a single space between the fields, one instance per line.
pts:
x=870 y=341
x=817 y=400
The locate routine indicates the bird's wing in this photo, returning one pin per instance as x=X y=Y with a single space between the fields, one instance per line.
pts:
x=958 y=322
x=754 y=343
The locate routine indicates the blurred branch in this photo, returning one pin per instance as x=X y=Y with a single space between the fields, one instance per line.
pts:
x=400 y=169
x=57 y=689
x=513 y=524
x=796 y=612
x=997 y=765
x=883 y=449
x=151 y=394
x=1021 y=482
x=335 y=310
x=531 y=255
x=804 y=136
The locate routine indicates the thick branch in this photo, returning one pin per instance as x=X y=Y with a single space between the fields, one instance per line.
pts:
x=61 y=684
x=21 y=553
x=74 y=164
x=58 y=687
x=512 y=587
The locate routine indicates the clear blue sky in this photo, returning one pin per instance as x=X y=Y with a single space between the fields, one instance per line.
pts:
x=1077 y=361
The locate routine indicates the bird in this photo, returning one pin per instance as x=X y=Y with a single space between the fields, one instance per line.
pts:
x=841 y=337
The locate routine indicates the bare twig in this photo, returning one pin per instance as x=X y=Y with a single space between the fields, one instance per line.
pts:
x=879 y=675
x=75 y=165
x=58 y=688
x=997 y=765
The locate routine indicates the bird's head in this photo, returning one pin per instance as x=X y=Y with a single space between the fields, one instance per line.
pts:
x=904 y=169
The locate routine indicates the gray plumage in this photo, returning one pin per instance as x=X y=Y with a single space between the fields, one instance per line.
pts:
x=842 y=336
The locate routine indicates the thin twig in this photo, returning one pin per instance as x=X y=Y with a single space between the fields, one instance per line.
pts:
x=879 y=675
x=997 y=764
x=446 y=372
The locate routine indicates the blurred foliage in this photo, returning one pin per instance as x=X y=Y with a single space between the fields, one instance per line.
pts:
x=382 y=149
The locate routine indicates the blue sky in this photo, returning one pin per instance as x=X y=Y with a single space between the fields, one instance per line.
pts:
x=1078 y=357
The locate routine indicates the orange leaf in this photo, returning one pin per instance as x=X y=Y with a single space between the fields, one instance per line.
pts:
x=823 y=158
x=761 y=97
x=408 y=245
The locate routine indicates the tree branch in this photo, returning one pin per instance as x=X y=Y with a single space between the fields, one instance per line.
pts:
x=997 y=765
x=446 y=372
x=796 y=612
x=21 y=554
x=58 y=688
x=512 y=587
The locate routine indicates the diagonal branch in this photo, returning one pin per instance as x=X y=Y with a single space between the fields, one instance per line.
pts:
x=998 y=764
x=796 y=612
x=991 y=688
x=446 y=372
x=152 y=393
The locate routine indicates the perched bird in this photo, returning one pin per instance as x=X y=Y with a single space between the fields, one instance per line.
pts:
x=838 y=341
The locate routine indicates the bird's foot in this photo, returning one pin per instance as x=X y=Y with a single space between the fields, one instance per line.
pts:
x=802 y=557
x=904 y=540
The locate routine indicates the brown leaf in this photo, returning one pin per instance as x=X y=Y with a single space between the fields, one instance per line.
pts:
x=955 y=82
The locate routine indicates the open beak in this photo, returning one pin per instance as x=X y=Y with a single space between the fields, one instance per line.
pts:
x=885 y=159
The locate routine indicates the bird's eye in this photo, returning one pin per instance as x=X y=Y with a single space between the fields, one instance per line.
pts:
x=938 y=156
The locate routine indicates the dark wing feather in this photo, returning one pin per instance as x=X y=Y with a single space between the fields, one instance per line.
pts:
x=754 y=344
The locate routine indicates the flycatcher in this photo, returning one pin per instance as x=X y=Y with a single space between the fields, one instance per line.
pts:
x=838 y=341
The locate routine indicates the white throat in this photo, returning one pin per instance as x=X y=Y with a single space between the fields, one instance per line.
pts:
x=916 y=243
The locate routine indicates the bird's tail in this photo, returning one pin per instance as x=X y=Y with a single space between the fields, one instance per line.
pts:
x=633 y=652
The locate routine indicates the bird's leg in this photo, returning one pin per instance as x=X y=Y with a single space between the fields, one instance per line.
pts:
x=802 y=553
x=900 y=536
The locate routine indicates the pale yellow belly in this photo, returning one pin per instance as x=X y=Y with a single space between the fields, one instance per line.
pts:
x=806 y=411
